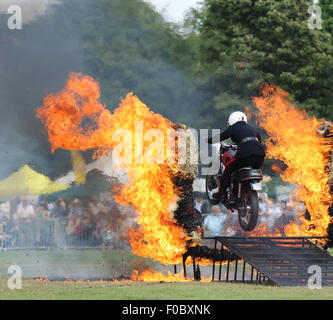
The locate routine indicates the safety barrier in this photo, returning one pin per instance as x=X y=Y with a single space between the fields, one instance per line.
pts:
x=55 y=233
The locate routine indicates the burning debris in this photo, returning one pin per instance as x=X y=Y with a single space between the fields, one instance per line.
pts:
x=203 y=252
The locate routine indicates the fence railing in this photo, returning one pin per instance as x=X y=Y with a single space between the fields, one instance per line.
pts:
x=55 y=233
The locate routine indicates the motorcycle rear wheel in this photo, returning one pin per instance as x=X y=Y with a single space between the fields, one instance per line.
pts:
x=248 y=211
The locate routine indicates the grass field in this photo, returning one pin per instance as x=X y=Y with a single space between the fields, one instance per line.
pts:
x=32 y=289
x=123 y=262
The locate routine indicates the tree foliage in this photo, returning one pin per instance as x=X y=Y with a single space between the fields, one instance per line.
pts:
x=326 y=7
x=273 y=37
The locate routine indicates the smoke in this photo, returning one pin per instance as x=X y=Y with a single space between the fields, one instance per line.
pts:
x=33 y=62
x=57 y=39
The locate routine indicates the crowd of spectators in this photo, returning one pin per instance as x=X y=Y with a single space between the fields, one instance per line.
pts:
x=100 y=222
x=65 y=223
x=273 y=215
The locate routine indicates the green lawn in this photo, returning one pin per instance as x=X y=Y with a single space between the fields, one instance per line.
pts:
x=122 y=262
x=192 y=290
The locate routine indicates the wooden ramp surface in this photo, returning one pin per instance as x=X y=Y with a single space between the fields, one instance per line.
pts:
x=285 y=261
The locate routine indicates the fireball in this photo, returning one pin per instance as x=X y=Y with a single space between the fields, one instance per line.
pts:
x=293 y=139
x=76 y=120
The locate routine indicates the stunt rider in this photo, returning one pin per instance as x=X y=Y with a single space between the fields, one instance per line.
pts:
x=250 y=153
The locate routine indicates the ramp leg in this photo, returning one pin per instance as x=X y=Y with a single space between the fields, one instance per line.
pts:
x=236 y=267
x=228 y=267
x=213 y=273
x=194 y=269
x=243 y=274
x=220 y=270
x=251 y=274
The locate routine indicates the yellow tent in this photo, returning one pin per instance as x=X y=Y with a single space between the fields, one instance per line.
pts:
x=27 y=182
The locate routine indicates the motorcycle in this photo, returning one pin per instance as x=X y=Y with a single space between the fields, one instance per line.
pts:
x=243 y=191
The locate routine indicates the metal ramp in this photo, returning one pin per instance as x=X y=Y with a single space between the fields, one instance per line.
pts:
x=283 y=261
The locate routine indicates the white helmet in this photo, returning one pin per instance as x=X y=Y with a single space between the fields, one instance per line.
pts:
x=237 y=116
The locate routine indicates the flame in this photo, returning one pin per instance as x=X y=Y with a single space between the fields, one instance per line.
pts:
x=76 y=120
x=155 y=276
x=294 y=140
x=144 y=276
x=45 y=280
x=276 y=168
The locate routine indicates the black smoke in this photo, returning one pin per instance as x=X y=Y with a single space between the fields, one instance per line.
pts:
x=33 y=62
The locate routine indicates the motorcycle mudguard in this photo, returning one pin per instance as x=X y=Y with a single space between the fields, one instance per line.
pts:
x=248 y=174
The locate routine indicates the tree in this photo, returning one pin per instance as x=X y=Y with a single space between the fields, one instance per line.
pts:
x=273 y=37
x=327 y=15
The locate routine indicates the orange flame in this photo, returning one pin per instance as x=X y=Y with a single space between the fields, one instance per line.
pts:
x=294 y=140
x=276 y=168
x=155 y=276
x=76 y=120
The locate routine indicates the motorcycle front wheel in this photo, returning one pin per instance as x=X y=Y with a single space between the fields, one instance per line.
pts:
x=212 y=186
x=248 y=210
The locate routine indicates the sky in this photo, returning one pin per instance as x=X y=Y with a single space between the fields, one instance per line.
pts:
x=172 y=10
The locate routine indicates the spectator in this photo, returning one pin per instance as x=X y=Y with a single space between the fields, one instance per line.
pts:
x=59 y=210
x=43 y=211
x=24 y=210
x=201 y=205
x=25 y=214
x=214 y=222
x=74 y=228
x=5 y=210
x=77 y=208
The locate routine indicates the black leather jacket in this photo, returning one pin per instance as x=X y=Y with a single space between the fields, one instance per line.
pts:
x=237 y=133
